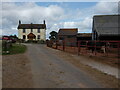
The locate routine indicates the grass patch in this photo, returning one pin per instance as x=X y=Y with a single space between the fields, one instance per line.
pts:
x=16 y=49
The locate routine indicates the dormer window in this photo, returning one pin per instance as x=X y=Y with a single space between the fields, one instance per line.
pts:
x=38 y=30
x=24 y=31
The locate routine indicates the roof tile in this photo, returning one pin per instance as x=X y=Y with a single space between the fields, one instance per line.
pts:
x=68 y=31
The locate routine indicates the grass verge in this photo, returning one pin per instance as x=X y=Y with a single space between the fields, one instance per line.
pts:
x=16 y=49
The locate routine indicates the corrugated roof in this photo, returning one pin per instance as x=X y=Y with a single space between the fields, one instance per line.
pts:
x=106 y=24
x=108 y=31
x=29 y=26
x=68 y=31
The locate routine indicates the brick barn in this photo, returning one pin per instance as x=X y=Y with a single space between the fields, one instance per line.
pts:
x=68 y=35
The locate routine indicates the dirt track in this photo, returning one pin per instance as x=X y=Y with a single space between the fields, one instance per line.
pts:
x=16 y=72
x=55 y=69
x=43 y=67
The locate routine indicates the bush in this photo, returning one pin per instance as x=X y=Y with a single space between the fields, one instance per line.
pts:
x=6 y=45
x=20 y=41
x=31 y=41
x=41 y=42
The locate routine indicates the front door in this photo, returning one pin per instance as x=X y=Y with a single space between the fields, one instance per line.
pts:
x=31 y=36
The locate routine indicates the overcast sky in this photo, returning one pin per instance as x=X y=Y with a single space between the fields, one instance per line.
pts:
x=57 y=14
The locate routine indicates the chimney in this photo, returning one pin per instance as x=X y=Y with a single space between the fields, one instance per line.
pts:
x=19 y=22
x=44 y=22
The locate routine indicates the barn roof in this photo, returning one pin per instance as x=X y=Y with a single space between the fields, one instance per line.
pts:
x=68 y=31
x=106 y=24
x=33 y=26
x=108 y=31
x=84 y=34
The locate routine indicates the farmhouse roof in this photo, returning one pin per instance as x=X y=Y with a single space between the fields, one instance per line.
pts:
x=68 y=31
x=106 y=24
x=33 y=26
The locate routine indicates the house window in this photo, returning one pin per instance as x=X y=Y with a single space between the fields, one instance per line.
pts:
x=24 y=31
x=38 y=30
x=38 y=36
x=24 y=37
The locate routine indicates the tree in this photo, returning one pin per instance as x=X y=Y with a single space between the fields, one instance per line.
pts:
x=13 y=36
x=53 y=35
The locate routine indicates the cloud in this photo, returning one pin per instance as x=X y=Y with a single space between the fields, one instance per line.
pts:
x=32 y=12
x=106 y=8
x=55 y=15
x=84 y=25
x=27 y=13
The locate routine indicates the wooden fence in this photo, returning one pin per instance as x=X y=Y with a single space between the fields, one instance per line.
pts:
x=108 y=49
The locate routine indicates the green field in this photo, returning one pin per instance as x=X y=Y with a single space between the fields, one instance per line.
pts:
x=16 y=49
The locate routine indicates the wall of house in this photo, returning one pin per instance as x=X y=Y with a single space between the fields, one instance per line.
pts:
x=35 y=32
x=43 y=34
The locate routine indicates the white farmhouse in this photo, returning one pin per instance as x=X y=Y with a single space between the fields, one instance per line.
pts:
x=32 y=31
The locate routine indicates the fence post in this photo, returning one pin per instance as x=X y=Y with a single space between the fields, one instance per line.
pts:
x=56 y=44
x=106 y=48
x=78 y=47
x=63 y=45
x=86 y=46
x=118 y=50
x=95 y=47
